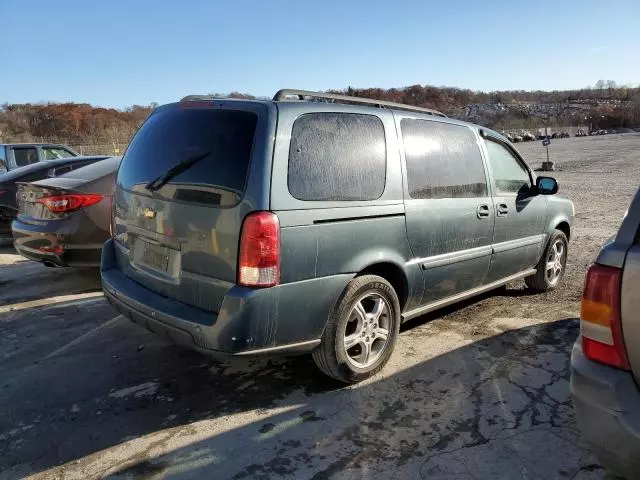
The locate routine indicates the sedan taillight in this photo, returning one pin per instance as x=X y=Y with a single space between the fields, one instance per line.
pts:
x=69 y=203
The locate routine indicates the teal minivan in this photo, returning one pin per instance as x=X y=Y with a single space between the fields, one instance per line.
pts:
x=318 y=223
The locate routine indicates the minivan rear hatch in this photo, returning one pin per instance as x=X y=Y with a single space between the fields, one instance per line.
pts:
x=178 y=204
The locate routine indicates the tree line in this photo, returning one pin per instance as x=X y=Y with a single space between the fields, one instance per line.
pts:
x=605 y=105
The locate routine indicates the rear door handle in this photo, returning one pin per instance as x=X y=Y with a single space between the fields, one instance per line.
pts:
x=503 y=209
x=483 y=211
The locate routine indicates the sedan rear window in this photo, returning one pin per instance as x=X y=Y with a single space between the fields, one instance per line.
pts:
x=174 y=134
x=3 y=160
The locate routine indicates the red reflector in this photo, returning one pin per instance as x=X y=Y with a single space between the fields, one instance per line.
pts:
x=69 y=203
x=56 y=250
x=601 y=323
x=259 y=258
x=607 y=354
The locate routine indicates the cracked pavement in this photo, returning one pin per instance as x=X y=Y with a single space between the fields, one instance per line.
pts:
x=476 y=391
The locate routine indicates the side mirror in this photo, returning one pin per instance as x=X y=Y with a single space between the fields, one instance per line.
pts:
x=547 y=185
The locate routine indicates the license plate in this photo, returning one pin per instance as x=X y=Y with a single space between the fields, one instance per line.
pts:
x=155 y=257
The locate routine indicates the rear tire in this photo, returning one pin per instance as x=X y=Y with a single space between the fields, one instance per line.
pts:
x=552 y=264
x=361 y=331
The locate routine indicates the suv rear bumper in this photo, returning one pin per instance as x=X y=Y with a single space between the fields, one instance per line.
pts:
x=607 y=405
x=289 y=318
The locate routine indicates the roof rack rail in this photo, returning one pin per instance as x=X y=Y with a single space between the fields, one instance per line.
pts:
x=301 y=94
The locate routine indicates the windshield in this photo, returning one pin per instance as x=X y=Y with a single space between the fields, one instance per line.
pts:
x=177 y=133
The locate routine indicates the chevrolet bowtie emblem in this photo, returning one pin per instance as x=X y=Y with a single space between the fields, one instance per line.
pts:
x=148 y=213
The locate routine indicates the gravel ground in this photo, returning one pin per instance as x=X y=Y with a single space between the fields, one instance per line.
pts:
x=476 y=391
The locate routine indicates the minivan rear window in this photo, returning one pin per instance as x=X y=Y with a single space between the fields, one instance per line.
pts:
x=176 y=133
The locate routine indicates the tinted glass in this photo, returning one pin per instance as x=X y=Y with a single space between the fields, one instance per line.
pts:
x=3 y=160
x=25 y=156
x=508 y=174
x=337 y=156
x=443 y=160
x=61 y=170
x=54 y=153
x=174 y=134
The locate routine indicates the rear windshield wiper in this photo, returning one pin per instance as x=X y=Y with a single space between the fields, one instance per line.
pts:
x=163 y=178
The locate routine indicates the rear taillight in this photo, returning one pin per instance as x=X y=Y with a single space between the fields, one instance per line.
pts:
x=600 y=322
x=69 y=203
x=259 y=259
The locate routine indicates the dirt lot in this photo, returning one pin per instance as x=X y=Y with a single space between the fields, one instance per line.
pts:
x=474 y=392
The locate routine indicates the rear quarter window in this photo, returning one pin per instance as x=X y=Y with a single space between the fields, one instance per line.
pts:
x=25 y=156
x=337 y=157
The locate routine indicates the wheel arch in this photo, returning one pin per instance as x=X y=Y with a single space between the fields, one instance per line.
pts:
x=392 y=273
x=564 y=227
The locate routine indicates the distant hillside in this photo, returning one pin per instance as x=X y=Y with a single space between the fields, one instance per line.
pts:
x=93 y=129
x=599 y=107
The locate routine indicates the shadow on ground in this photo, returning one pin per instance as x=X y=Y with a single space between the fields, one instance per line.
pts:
x=22 y=280
x=128 y=405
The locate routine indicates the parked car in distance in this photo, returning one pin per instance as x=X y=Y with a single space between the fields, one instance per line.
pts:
x=31 y=173
x=605 y=362
x=64 y=221
x=259 y=227
x=16 y=155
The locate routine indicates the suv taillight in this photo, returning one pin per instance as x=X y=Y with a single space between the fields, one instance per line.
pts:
x=69 y=203
x=259 y=256
x=600 y=322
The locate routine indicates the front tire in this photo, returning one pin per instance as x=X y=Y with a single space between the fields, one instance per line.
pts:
x=552 y=264
x=361 y=331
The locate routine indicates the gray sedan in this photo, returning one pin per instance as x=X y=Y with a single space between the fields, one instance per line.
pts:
x=64 y=221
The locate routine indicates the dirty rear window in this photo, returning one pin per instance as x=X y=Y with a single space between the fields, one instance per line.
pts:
x=174 y=134
x=337 y=156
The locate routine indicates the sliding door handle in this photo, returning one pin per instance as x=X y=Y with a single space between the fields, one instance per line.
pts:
x=483 y=211
x=503 y=209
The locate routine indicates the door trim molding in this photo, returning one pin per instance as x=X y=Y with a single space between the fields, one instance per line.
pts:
x=429 y=307
x=476 y=252
x=452 y=257
x=518 y=243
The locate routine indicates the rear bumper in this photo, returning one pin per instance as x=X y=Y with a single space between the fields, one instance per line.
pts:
x=58 y=245
x=288 y=318
x=607 y=405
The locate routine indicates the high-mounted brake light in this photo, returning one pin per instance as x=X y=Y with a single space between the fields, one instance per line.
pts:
x=600 y=320
x=69 y=203
x=259 y=258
